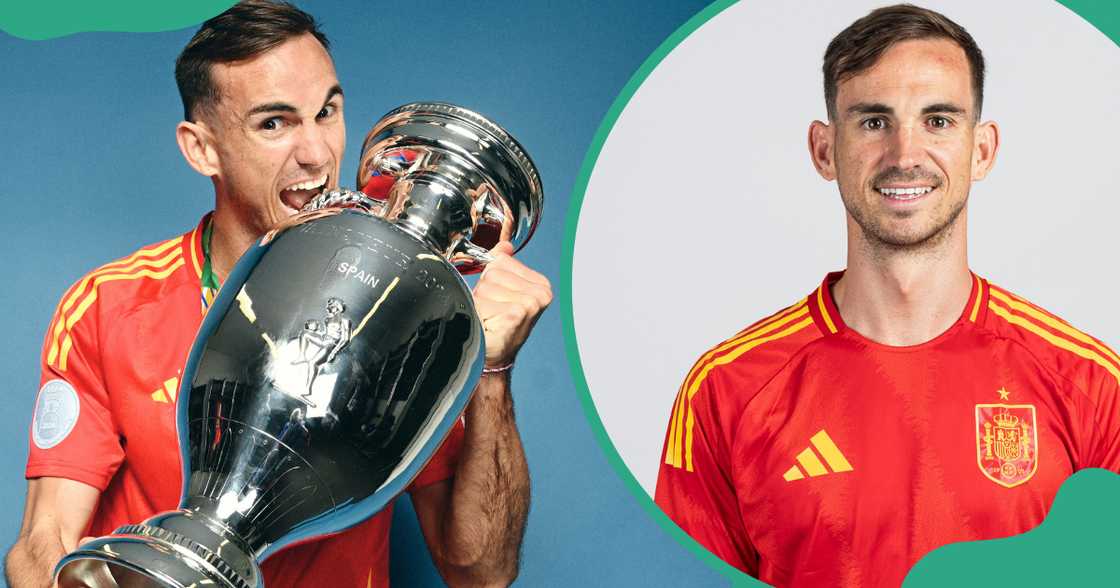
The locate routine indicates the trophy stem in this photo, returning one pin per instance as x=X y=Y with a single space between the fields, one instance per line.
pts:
x=176 y=549
x=435 y=212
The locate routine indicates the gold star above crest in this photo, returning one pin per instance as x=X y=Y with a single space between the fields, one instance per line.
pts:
x=1003 y=394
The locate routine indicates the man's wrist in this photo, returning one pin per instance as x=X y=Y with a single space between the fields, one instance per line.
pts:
x=497 y=369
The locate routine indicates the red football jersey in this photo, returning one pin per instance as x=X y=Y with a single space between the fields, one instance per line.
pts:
x=105 y=416
x=807 y=455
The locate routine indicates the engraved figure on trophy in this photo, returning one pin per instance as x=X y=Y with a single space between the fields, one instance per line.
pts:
x=320 y=342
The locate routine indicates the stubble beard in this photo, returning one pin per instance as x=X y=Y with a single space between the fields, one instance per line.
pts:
x=882 y=242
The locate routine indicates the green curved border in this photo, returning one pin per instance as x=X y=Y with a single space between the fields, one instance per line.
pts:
x=1105 y=16
x=49 y=19
x=572 y=347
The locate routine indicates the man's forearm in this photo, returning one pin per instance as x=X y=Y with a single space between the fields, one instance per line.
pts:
x=490 y=495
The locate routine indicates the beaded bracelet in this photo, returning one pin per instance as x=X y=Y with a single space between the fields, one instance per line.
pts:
x=497 y=370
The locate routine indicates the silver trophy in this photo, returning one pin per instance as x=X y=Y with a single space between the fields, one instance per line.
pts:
x=336 y=358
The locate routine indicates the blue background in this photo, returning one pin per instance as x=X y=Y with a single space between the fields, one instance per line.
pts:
x=91 y=172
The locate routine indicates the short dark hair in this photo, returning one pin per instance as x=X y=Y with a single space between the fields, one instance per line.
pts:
x=859 y=47
x=247 y=29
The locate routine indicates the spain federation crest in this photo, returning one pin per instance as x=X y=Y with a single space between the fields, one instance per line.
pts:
x=1006 y=442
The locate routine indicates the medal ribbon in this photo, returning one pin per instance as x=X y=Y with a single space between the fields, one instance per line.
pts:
x=210 y=285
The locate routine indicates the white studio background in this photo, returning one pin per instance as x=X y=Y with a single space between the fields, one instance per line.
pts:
x=704 y=214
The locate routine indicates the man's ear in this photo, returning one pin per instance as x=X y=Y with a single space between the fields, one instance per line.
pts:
x=985 y=145
x=196 y=142
x=822 y=139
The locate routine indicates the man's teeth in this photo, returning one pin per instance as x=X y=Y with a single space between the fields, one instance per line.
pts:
x=308 y=185
x=904 y=192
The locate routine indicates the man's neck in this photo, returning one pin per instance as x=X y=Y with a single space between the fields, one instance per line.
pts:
x=228 y=241
x=904 y=297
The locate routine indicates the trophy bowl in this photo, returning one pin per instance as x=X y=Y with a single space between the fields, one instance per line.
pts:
x=337 y=357
x=452 y=174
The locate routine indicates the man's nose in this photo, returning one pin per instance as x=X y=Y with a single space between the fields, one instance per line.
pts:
x=312 y=147
x=906 y=147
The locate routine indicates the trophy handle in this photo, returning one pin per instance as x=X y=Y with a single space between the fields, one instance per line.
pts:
x=492 y=225
x=469 y=258
x=343 y=198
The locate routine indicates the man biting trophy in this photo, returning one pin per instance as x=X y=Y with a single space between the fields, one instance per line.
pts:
x=264 y=120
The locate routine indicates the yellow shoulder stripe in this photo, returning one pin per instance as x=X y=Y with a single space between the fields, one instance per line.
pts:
x=140 y=269
x=67 y=342
x=768 y=324
x=1054 y=323
x=120 y=265
x=115 y=268
x=674 y=456
x=774 y=321
x=1053 y=339
x=774 y=317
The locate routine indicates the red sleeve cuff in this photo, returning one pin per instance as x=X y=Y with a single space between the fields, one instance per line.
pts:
x=54 y=469
x=443 y=463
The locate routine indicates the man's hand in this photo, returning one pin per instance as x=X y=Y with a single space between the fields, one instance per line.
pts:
x=509 y=298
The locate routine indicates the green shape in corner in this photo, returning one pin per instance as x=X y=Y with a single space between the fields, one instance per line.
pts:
x=48 y=19
x=1072 y=547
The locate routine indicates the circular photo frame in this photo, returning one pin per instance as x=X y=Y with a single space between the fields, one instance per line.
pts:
x=698 y=210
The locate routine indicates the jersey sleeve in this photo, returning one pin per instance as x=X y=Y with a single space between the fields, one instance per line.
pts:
x=73 y=433
x=694 y=484
x=443 y=462
x=1105 y=449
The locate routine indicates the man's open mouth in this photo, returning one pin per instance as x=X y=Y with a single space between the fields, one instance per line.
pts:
x=297 y=195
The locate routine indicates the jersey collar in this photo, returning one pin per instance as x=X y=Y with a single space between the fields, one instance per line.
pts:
x=828 y=320
x=196 y=250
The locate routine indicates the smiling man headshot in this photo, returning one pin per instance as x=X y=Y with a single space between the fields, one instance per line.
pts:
x=263 y=119
x=905 y=403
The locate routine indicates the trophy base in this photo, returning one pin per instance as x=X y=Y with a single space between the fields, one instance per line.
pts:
x=170 y=550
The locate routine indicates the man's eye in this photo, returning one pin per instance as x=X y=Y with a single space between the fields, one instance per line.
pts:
x=271 y=124
x=874 y=124
x=327 y=111
x=939 y=122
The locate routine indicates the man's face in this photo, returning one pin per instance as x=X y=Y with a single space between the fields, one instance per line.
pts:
x=905 y=145
x=279 y=131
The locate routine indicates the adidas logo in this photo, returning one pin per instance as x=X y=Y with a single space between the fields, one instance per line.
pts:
x=812 y=464
x=166 y=393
